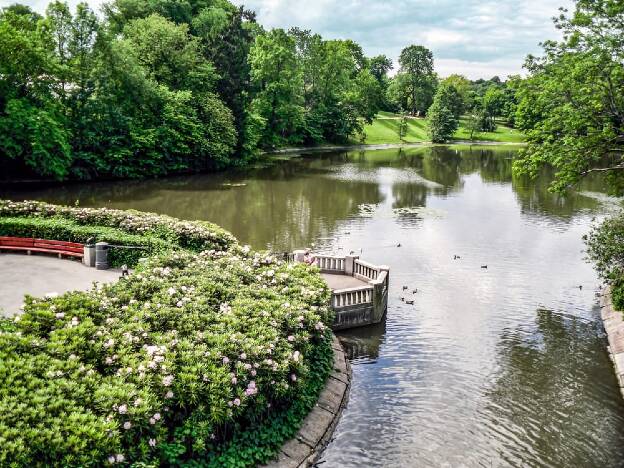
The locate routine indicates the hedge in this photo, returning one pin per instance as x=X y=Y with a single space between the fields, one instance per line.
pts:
x=62 y=229
x=193 y=235
x=208 y=360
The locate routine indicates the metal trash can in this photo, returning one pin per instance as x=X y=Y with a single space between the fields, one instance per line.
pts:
x=89 y=255
x=101 y=255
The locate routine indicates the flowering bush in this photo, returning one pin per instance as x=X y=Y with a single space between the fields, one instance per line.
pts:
x=194 y=235
x=209 y=358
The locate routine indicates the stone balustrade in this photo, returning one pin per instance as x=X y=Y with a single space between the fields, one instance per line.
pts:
x=359 y=289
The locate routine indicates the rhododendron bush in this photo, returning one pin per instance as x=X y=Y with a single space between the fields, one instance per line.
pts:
x=210 y=358
x=195 y=235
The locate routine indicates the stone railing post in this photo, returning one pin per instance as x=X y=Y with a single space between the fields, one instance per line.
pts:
x=349 y=264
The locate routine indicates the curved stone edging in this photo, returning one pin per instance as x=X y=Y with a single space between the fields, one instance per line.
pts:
x=306 y=447
x=613 y=322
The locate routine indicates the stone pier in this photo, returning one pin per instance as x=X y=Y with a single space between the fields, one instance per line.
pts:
x=359 y=289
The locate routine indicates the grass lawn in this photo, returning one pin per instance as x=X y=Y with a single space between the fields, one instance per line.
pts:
x=384 y=130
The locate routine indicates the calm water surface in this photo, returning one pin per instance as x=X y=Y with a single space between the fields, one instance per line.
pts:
x=504 y=366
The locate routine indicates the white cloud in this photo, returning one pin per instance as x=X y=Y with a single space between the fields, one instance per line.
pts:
x=481 y=38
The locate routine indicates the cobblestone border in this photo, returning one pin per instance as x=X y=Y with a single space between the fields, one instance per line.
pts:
x=306 y=447
x=613 y=322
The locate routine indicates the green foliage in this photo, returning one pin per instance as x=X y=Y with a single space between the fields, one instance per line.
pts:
x=181 y=362
x=605 y=248
x=209 y=359
x=63 y=229
x=572 y=104
x=192 y=235
x=414 y=86
x=443 y=120
x=274 y=66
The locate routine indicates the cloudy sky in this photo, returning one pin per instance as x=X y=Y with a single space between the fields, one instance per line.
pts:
x=479 y=39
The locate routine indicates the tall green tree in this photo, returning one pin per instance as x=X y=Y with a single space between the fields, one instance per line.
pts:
x=443 y=120
x=275 y=69
x=418 y=81
x=572 y=105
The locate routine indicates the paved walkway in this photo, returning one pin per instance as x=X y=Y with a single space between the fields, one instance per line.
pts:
x=342 y=281
x=38 y=275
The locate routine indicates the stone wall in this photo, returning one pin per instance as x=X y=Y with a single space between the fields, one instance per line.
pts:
x=613 y=321
x=306 y=447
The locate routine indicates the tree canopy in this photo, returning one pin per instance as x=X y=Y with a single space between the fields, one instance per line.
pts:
x=572 y=105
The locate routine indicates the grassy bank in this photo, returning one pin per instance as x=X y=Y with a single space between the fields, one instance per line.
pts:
x=208 y=354
x=384 y=130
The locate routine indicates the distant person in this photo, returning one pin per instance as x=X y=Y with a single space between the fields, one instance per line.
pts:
x=309 y=258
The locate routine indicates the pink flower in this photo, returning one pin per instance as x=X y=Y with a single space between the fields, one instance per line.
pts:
x=291 y=338
x=237 y=402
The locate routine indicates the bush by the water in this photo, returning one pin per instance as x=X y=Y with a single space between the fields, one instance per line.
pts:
x=64 y=229
x=156 y=233
x=605 y=247
x=207 y=355
x=211 y=359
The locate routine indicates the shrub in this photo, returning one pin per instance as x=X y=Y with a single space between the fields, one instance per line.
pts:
x=63 y=229
x=193 y=235
x=605 y=248
x=209 y=359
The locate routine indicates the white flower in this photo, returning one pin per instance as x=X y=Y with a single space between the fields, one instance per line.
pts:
x=291 y=338
x=123 y=409
x=152 y=442
x=171 y=291
x=60 y=315
x=127 y=425
x=167 y=380
x=120 y=458
x=169 y=394
x=52 y=295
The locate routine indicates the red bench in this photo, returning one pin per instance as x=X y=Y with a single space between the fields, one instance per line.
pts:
x=30 y=244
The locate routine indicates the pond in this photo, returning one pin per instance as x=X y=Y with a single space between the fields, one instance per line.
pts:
x=497 y=366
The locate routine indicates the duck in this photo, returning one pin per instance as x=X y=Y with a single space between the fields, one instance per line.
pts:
x=415 y=291
x=399 y=244
x=483 y=266
x=404 y=288
x=456 y=257
x=409 y=302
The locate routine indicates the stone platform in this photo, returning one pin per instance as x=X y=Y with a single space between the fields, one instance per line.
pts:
x=305 y=449
x=336 y=282
x=38 y=275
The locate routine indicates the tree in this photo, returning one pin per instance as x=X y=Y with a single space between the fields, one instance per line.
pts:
x=418 y=82
x=171 y=55
x=572 y=105
x=402 y=127
x=442 y=121
x=275 y=69
x=463 y=87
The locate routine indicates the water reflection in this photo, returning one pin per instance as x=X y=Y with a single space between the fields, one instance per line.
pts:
x=470 y=375
x=559 y=366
